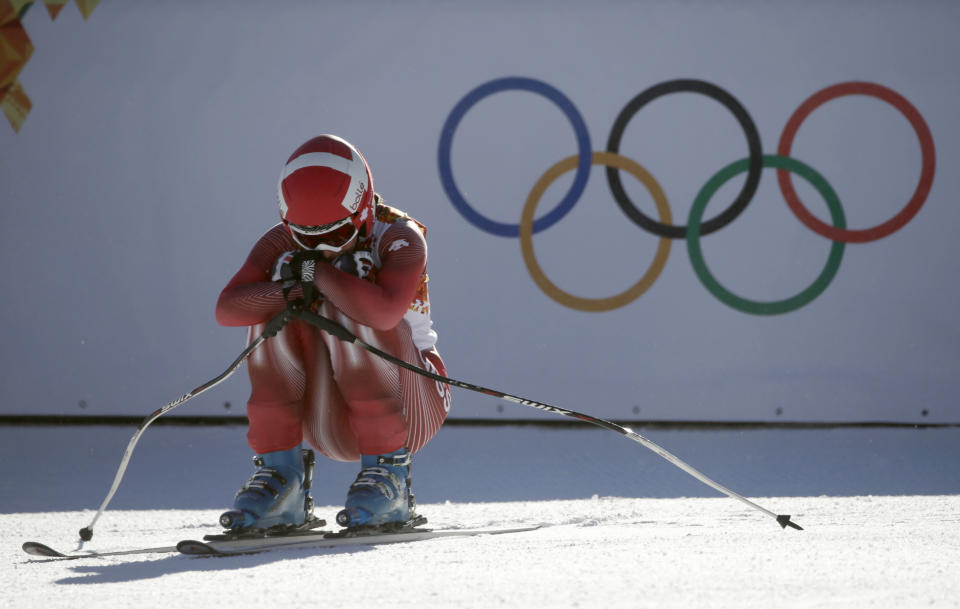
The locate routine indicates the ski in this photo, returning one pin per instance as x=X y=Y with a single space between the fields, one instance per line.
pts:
x=334 y=540
x=35 y=548
x=224 y=545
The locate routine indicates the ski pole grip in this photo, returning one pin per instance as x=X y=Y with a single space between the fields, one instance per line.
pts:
x=307 y=263
x=278 y=322
x=327 y=325
x=307 y=270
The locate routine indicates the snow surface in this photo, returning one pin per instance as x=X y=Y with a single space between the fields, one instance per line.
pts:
x=858 y=549
x=698 y=552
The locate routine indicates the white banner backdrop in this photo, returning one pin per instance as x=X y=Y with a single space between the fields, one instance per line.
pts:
x=147 y=167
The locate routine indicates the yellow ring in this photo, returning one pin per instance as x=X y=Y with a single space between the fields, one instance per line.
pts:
x=526 y=234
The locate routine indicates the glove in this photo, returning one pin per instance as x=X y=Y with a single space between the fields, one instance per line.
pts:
x=358 y=263
x=284 y=260
x=296 y=267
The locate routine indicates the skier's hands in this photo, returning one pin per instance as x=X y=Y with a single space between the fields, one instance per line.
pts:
x=289 y=265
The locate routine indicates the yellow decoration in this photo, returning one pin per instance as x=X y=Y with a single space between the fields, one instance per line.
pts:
x=54 y=7
x=86 y=7
x=15 y=50
x=15 y=104
x=12 y=10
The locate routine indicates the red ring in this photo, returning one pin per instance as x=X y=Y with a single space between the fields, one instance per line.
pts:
x=926 y=172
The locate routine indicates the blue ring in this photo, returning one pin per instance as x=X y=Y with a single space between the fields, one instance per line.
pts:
x=446 y=142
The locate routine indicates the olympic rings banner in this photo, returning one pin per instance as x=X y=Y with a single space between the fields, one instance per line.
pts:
x=647 y=211
x=696 y=227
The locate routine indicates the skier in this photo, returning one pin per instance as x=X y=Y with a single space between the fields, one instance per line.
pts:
x=346 y=403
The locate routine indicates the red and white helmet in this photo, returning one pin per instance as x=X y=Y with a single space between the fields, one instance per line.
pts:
x=326 y=194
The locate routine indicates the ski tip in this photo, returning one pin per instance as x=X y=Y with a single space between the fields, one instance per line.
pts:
x=784 y=520
x=38 y=549
x=195 y=548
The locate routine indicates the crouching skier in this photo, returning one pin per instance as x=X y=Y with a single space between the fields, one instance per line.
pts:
x=346 y=403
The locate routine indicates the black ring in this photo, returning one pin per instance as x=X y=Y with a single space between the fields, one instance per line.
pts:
x=754 y=169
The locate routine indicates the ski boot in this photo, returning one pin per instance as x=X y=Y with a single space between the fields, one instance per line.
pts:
x=277 y=496
x=381 y=495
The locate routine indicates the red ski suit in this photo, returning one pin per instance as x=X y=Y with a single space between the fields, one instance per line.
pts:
x=307 y=384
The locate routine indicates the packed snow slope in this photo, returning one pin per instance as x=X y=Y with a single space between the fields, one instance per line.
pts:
x=620 y=526
x=896 y=552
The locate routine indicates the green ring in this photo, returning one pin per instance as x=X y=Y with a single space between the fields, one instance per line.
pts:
x=753 y=306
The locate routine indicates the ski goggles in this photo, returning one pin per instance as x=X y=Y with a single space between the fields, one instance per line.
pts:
x=331 y=237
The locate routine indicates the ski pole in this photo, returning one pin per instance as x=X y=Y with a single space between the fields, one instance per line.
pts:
x=273 y=326
x=343 y=334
